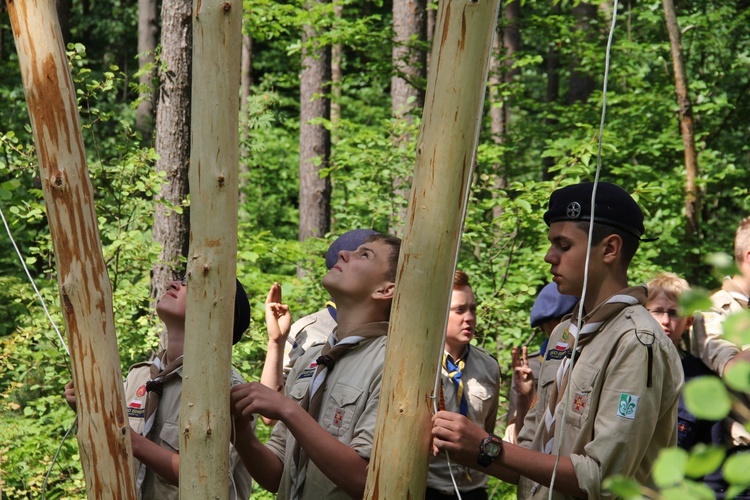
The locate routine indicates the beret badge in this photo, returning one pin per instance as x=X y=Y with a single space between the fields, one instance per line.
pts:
x=573 y=211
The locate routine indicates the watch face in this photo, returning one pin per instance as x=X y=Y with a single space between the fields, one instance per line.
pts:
x=492 y=449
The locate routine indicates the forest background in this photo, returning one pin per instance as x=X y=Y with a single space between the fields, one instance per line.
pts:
x=331 y=103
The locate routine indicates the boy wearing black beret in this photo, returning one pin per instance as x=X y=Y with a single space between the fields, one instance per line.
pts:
x=618 y=407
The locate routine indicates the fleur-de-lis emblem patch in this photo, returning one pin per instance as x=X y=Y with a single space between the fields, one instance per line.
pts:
x=628 y=406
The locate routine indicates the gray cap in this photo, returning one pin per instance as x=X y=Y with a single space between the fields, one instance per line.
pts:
x=551 y=304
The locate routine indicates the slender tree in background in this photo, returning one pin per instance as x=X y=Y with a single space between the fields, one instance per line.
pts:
x=337 y=52
x=409 y=62
x=315 y=138
x=692 y=194
x=581 y=82
x=246 y=81
x=171 y=220
x=148 y=37
x=551 y=93
x=502 y=73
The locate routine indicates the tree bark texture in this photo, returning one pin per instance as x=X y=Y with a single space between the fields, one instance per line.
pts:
x=246 y=81
x=85 y=290
x=337 y=52
x=409 y=24
x=446 y=151
x=315 y=139
x=692 y=195
x=148 y=37
x=502 y=74
x=205 y=422
x=581 y=83
x=171 y=229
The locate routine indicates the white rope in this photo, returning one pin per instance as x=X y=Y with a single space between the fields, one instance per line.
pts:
x=568 y=390
x=31 y=280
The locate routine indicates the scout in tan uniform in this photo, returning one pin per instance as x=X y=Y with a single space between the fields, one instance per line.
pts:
x=707 y=342
x=322 y=444
x=470 y=383
x=286 y=344
x=626 y=373
x=153 y=391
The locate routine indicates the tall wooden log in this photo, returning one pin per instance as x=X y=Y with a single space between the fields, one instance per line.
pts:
x=214 y=163
x=446 y=150
x=85 y=290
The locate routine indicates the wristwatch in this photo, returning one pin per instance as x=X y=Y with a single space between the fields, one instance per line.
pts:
x=490 y=448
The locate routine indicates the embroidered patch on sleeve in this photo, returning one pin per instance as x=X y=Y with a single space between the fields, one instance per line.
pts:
x=580 y=402
x=628 y=406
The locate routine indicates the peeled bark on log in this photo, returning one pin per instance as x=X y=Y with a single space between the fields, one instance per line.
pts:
x=446 y=149
x=85 y=290
x=212 y=261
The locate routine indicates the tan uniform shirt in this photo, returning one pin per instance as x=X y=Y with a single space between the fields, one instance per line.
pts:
x=481 y=378
x=166 y=433
x=613 y=424
x=306 y=332
x=706 y=340
x=348 y=411
x=708 y=344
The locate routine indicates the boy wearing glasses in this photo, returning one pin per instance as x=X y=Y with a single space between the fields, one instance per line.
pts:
x=663 y=301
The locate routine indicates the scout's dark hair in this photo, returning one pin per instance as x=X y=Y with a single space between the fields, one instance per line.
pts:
x=395 y=245
x=630 y=242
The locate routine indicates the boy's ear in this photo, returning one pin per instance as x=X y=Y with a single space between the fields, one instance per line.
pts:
x=384 y=292
x=612 y=248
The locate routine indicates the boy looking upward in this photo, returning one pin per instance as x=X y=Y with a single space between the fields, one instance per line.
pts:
x=321 y=446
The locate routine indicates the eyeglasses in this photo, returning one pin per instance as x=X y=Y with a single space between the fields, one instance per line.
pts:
x=658 y=313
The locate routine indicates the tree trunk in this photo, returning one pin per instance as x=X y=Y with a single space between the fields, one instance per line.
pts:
x=171 y=227
x=409 y=23
x=315 y=139
x=446 y=151
x=204 y=408
x=85 y=290
x=337 y=52
x=552 y=94
x=502 y=74
x=409 y=67
x=692 y=195
x=148 y=36
x=246 y=81
x=581 y=83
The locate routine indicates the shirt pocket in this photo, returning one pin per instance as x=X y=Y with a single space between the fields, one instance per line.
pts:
x=170 y=436
x=340 y=409
x=299 y=389
x=479 y=399
x=581 y=394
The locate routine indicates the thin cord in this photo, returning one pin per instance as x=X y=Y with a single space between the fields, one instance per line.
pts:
x=31 y=280
x=568 y=390
x=54 y=459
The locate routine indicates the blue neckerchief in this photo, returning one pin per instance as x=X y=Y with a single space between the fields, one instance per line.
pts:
x=331 y=306
x=455 y=373
x=543 y=349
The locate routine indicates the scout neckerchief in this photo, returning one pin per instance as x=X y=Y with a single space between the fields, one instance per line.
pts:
x=455 y=372
x=736 y=292
x=311 y=402
x=592 y=324
x=160 y=374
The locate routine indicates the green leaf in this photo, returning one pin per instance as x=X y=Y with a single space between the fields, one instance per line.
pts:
x=707 y=398
x=693 y=301
x=737 y=376
x=669 y=468
x=696 y=490
x=737 y=328
x=703 y=460
x=623 y=487
x=736 y=469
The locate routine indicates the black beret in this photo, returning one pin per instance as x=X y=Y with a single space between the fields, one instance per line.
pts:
x=614 y=207
x=241 y=313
